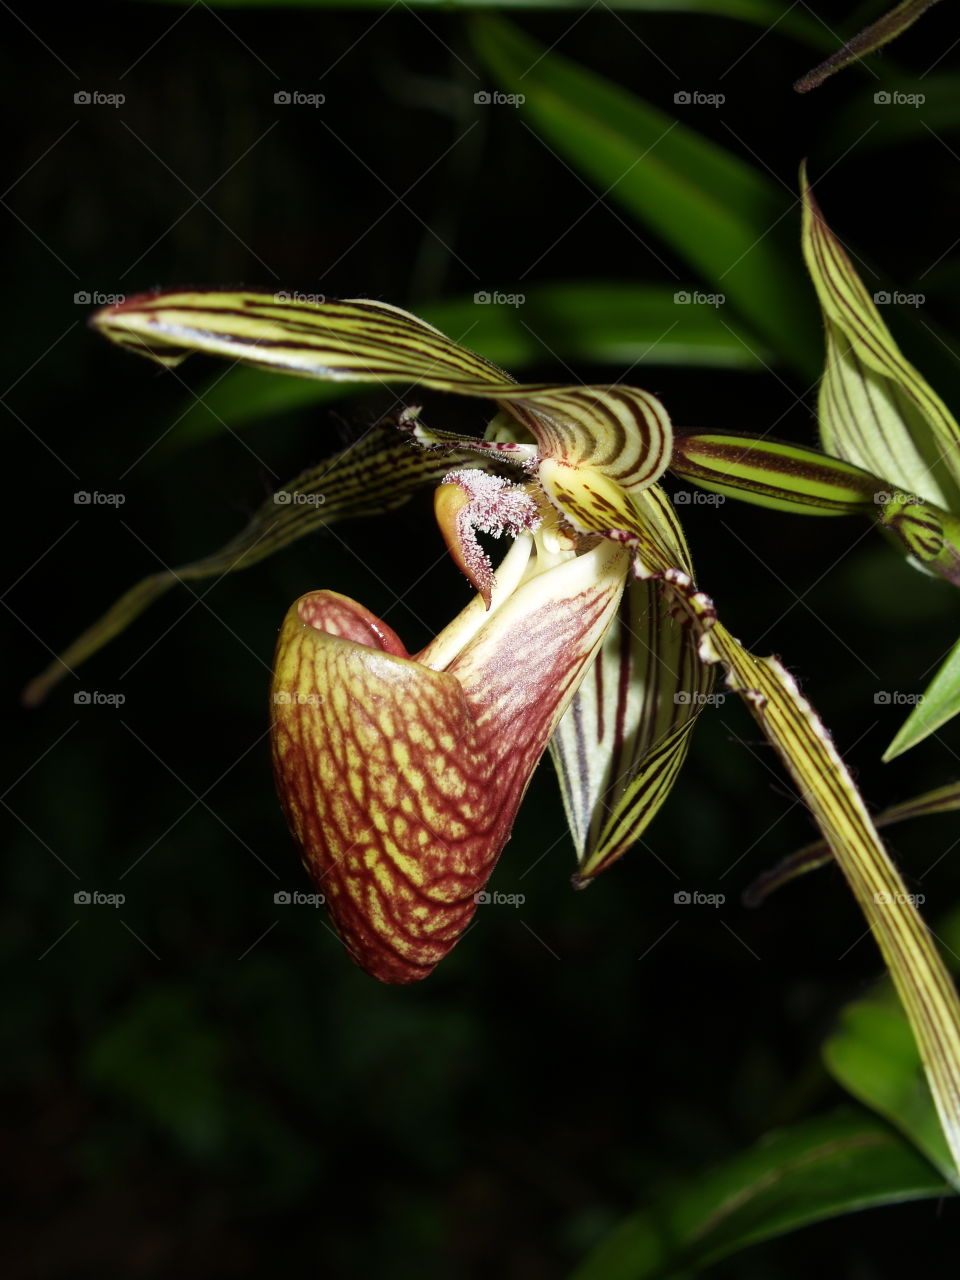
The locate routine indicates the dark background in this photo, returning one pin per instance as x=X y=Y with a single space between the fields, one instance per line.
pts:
x=200 y=1082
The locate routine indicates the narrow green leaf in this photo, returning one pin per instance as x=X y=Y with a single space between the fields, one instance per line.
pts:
x=875 y=409
x=874 y=37
x=377 y=474
x=718 y=212
x=816 y=1170
x=873 y=1054
x=939 y=703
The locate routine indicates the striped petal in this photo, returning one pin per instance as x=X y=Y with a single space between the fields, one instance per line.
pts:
x=620 y=746
x=892 y=24
x=775 y=474
x=401 y=780
x=785 y=477
x=376 y=475
x=792 y=726
x=925 y=988
x=621 y=431
x=875 y=408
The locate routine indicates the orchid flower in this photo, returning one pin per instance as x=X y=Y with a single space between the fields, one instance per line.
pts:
x=401 y=774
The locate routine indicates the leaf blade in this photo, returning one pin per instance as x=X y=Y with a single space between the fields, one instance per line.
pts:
x=793 y=1177
x=711 y=207
x=939 y=703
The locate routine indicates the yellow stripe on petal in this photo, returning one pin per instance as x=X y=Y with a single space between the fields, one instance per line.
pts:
x=621 y=431
x=876 y=410
x=924 y=985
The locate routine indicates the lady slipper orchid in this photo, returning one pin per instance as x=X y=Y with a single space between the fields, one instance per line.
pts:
x=401 y=774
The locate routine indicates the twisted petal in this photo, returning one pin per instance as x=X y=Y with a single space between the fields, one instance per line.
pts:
x=401 y=782
x=620 y=746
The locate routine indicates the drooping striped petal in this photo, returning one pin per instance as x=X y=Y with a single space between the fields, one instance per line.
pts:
x=376 y=475
x=825 y=784
x=621 y=431
x=925 y=987
x=400 y=780
x=875 y=409
x=620 y=746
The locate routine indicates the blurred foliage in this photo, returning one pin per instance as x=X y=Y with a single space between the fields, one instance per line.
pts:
x=197 y=1080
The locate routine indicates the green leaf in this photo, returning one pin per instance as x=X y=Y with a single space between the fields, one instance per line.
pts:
x=939 y=703
x=718 y=212
x=816 y=1170
x=874 y=37
x=162 y=1057
x=873 y=1054
x=604 y=323
x=876 y=410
